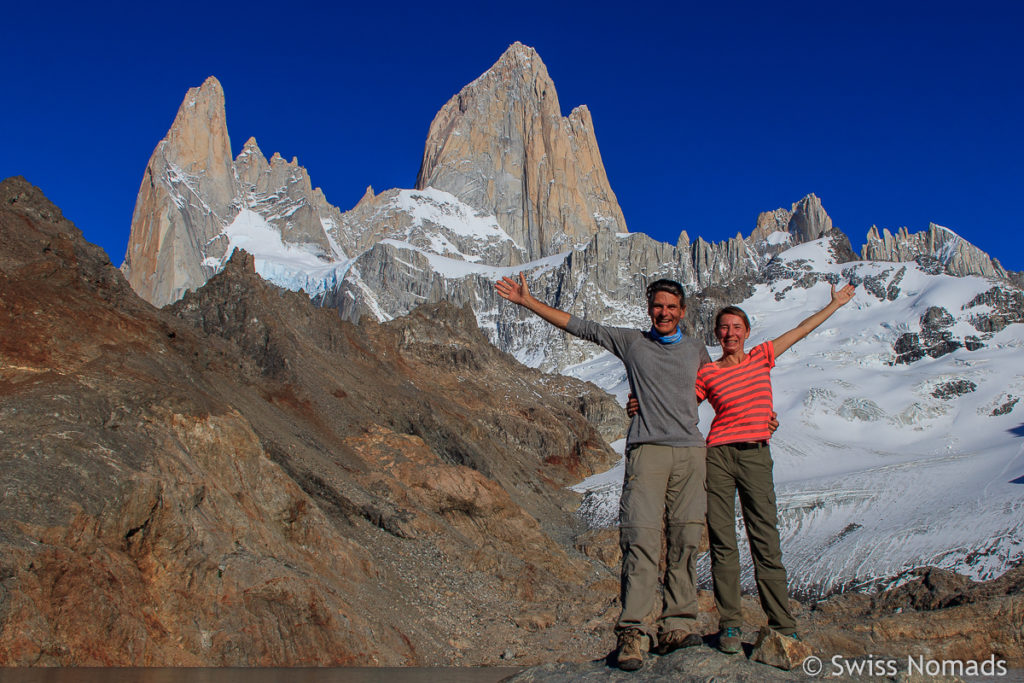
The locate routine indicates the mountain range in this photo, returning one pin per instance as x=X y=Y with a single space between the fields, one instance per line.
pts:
x=371 y=404
x=507 y=184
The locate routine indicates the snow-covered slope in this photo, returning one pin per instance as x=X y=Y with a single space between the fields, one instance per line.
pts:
x=881 y=466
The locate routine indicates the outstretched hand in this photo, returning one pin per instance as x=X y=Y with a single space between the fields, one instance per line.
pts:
x=516 y=292
x=519 y=293
x=843 y=296
x=839 y=299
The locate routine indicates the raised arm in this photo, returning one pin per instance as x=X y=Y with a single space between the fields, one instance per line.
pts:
x=519 y=293
x=787 y=339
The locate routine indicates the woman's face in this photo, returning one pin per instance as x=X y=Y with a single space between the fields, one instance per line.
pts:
x=731 y=333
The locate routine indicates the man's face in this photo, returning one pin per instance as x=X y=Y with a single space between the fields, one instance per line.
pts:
x=731 y=333
x=666 y=312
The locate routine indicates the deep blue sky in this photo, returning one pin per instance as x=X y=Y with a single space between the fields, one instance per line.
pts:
x=894 y=113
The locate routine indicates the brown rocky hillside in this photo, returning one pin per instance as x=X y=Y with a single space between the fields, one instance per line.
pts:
x=248 y=480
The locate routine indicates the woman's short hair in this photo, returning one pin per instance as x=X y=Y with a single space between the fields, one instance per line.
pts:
x=670 y=286
x=732 y=310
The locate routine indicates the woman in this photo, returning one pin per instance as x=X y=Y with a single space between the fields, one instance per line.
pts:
x=738 y=459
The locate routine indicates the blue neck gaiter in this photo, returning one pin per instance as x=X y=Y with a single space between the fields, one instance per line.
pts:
x=667 y=339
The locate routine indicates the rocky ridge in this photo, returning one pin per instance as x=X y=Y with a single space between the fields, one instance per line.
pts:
x=937 y=247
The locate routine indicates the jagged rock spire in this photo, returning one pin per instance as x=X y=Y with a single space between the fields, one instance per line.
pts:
x=805 y=221
x=193 y=191
x=502 y=146
x=809 y=220
x=164 y=257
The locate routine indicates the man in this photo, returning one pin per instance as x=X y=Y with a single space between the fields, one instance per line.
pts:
x=665 y=467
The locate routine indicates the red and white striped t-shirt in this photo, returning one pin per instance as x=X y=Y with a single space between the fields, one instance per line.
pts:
x=741 y=396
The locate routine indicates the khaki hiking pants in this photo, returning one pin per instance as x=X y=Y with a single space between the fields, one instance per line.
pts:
x=661 y=481
x=746 y=468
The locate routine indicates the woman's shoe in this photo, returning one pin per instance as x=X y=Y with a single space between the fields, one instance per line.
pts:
x=729 y=640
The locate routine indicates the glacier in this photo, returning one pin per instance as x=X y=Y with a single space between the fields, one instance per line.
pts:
x=286 y=264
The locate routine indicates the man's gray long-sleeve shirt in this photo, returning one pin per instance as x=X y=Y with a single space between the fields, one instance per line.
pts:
x=661 y=376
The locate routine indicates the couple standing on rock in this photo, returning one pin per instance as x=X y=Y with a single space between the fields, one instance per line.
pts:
x=669 y=466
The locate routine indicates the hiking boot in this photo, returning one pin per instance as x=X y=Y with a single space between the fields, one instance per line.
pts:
x=675 y=639
x=632 y=645
x=729 y=640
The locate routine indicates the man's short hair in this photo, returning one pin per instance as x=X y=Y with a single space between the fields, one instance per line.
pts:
x=670 y=286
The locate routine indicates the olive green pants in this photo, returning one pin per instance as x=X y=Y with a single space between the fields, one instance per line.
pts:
x=733 y=468
x=660 y=482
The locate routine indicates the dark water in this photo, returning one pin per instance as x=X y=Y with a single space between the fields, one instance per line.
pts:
x=239 y=675
x=1011 y=675
x=305 y=675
